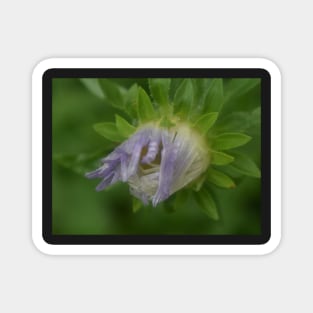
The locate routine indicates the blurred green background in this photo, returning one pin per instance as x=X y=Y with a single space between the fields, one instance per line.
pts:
x=77 y=148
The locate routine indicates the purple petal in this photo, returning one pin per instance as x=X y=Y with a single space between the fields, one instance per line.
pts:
x=93 y=174
x=168 y=158
x=135 y=157
x=152 y=152
x=124 y=166
x=109 y=172
x=105 y=182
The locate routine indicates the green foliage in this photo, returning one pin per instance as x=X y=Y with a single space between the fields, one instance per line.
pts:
x=240 y=86
x=207 y=203
x=220 y=158
x=220 y=179
x=92 y=84
x=200 y=87
x=183 y=100
x=123 y=127
x=159 y=88
x=146 y=111
x=255 y=118
x=228 y=141
x=240 y=121
x=131 y=101
x=197 y=185
x=109 y=131
x=113 y=93
x=241 y=95
x=181 y=199
x=80 y=163
x=205 y=122
x=245 y=165
x=235 y=121
x=137 y=205
x=215 y=96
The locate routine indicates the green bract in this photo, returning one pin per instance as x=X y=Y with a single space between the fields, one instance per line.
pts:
x=211 y=107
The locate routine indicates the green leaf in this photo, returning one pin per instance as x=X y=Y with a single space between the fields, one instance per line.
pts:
x=92 y=84
x=228 y=141
x=199 y=183
x=146 y=111
x=81 y=163
x=215 y=96
x=137 y=204
x=159 y=88
x=240 y=121
x=205 y=122
x=255 y=117
x=200 y=90
x=220 y=179
x=175 y=83
x=221 y=158
x=131 y=103
x=124 y=128
x=109 y=131
x=240 y=86
x=183 y=99
x=181 y=199
x=245 y=165
x=112 y=92
x=233 y=173
x=234 y=122
x=207 y=203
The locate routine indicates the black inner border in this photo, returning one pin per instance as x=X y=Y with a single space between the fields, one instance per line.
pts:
x=50 y=238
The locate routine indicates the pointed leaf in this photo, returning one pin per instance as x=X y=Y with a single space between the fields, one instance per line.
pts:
x=232 y=172
x=234 y=122
x=159 y=88
x=205 y=122
x=124 y=128
x=112 y=92
x=228 y=141
x=109 y=131
x=255 y=117
x=220 y=179
x=175 y=83
x=199 y=183
x=183 y=99
x=92 y=84
x=220 y=158
x=240 y=86
x=146 y=111
x=181 y=199
x=132 y=101
x=136 y=204
x=215 y=97
x=245 y=165
x=207 y=203
x=200 y=90
x=81 y=163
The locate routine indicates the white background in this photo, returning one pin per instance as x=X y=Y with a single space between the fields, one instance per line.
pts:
x=34 y=30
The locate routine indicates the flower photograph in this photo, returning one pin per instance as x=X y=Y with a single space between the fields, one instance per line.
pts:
x=156 y=156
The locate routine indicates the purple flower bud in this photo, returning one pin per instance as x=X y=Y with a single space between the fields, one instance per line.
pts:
x=155 y=162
